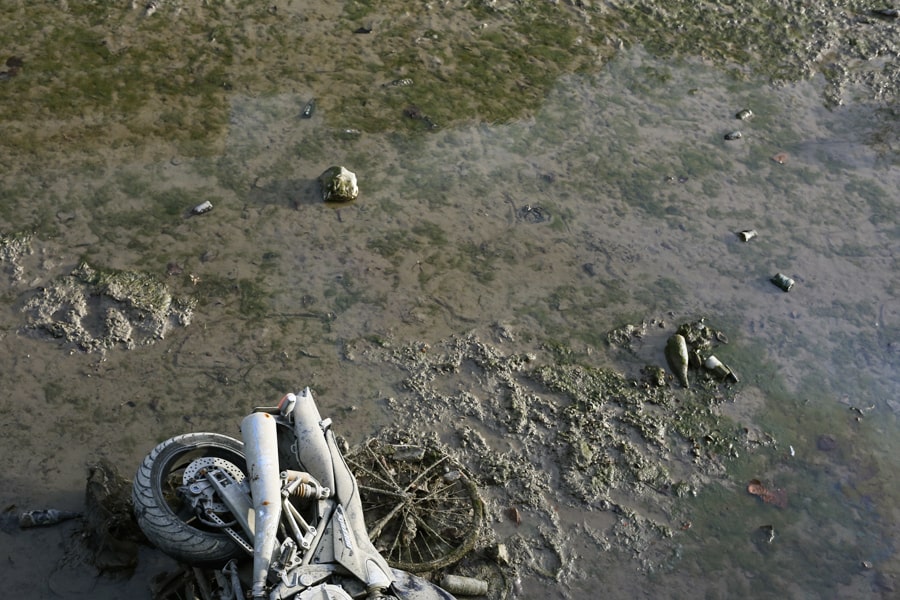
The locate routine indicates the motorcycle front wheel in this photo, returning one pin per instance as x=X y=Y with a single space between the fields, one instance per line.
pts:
x=163 y=511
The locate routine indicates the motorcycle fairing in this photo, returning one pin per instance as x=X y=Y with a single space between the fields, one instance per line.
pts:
x=319 y=455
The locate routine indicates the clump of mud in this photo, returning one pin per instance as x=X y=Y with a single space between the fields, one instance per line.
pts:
x=538 y=433
x=12 y=248
x=100 y=309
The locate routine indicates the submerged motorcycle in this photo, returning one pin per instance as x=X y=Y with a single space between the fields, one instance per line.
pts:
x=279 y=512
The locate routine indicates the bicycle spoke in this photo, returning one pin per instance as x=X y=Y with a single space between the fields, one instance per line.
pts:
x=424 y=473
x=375 y=530
x=381 y=491
x=388 y=482
x=417 y=518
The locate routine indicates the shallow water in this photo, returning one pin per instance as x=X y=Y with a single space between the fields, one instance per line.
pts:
x=644 y=197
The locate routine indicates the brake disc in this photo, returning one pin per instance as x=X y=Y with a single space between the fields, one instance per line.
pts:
x=194 y=479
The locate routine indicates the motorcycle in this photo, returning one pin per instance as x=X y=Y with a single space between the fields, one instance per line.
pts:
x=277 y=514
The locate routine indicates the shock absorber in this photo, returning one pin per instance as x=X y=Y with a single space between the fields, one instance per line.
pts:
x=302 y=485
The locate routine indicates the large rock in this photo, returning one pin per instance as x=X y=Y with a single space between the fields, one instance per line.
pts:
x=338 y=185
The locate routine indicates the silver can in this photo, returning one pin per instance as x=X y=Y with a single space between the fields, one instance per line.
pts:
x=783 y=281
x=201 y=208
x=720 y=369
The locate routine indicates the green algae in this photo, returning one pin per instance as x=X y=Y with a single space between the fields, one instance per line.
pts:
x=137 y=290
x=99 y=309
x=173 y=77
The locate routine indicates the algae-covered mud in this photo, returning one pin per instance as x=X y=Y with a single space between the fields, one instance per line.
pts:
x=548 y=192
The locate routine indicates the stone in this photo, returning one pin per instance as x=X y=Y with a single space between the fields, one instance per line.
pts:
x=338 y=185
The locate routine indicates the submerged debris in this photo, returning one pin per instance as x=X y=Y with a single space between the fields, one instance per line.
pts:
x=826 y=443
x=776 y=497
x=151 y=7
x=763 y=538
x=308 y=110
x=45 y=518
x=626 y=335
x=720 y=369
x=887 y=13
x=14 y=63
x=783 y=281
x=414 y=112
x=110 y=531
x=464 y=586
x=533 y=214
x=677 y=357
x=203 y=207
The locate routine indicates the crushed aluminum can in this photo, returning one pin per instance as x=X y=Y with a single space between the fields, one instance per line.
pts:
x=734 y=135
x=747 y=234
x=743 y=115
x=201 y=208
x=783 y=281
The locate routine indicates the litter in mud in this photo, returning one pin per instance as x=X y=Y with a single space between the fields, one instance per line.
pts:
x=763 y=537
x=720 y=369
x=309 y=109
x=203 y=207
x=826 y=443
x=776 y=497
x=783 y=281
x=110 y=532
x=45 y=518
x=464 y=586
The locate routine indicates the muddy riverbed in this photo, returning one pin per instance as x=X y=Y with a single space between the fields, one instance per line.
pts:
x=576 y=180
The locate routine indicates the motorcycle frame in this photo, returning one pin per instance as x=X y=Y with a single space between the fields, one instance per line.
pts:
x=304 y=558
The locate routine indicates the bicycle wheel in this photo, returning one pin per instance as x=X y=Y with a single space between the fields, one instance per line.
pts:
x=422 y=510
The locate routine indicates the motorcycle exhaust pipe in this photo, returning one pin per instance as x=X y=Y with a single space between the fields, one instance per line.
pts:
x=261 y=450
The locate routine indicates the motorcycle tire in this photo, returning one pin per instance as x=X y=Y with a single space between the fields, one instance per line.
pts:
x=168 y=522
